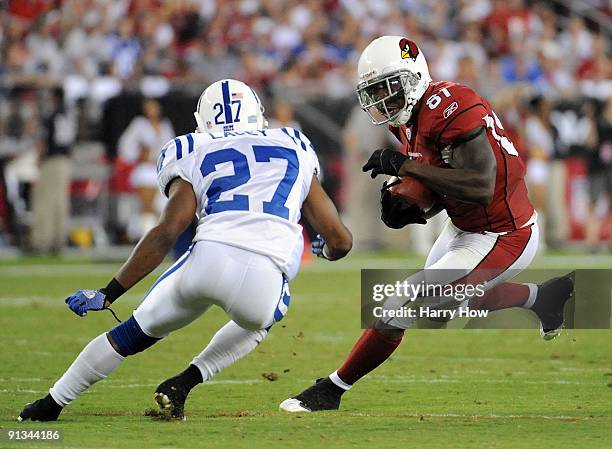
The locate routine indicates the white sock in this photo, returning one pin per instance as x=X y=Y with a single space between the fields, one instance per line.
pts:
x=533 y=292
x=339 y=382
x=228 y=345
x=94 y=363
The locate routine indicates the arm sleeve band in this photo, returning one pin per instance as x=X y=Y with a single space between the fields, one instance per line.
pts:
x=113 y=290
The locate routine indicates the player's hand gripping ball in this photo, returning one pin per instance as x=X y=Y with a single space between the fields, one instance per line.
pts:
x=412 y=191
x=396 y=211
x=388 y=162
x=85 y=300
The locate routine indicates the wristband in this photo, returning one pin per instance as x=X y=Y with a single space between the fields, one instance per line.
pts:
x=113 y=290
x=396 y=160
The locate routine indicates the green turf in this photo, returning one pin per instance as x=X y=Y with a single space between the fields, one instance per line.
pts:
x=444 y=388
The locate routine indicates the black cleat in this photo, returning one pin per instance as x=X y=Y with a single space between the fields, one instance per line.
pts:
x=45 y=409
x=550 y=301
x=323 y=395
x=171 y=394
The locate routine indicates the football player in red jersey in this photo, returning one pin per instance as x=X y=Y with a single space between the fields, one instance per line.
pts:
x=454 y=144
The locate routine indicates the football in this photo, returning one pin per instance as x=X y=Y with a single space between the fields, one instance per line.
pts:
x=413 y=191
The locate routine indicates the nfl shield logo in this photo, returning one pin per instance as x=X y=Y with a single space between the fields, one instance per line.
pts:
x=408 y=134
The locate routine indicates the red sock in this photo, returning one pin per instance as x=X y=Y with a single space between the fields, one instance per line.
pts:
x=503 y=296
x=371 y=350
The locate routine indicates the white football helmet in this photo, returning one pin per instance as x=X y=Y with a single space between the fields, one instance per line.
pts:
x=229 y=105
x=393 y=76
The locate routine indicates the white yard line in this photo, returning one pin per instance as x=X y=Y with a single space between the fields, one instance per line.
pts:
x=27 y=300
x=569 y=262
x=380 y=379
x=119 y=384
x=351 y=263
x=209 y=382
x=25 y=379
x=52 y=270
x=22 y=390
x=21 y=301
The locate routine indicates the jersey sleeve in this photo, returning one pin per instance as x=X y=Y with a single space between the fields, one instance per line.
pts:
x=171 y=162
x=455 y=112
x=315 y=167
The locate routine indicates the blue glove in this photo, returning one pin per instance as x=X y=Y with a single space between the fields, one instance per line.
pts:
x=317 y=246
x=85 y=300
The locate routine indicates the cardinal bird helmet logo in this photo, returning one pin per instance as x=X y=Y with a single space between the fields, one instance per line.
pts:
x=408 y=49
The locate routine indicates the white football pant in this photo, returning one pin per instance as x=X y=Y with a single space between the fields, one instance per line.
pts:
x=248 y=286
x=458 y=254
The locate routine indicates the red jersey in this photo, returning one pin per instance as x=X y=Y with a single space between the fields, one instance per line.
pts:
x=449 y=112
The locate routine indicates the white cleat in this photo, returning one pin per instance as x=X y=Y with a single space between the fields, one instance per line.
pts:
x=293 y=405
x=550 y=334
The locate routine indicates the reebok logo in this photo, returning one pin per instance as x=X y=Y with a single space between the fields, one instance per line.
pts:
x=449 y=110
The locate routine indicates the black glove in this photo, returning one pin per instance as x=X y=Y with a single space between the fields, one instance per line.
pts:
x=396 y=212
x=385 y=161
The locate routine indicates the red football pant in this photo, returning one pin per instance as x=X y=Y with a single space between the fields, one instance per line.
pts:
x=369 y=352
x=503 y=296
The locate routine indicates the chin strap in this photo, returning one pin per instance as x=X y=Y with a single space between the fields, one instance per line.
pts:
x=404 y=116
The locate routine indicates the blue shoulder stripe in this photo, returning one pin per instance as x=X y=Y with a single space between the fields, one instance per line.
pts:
x=190 y=142
x=299 y=137
x=290 y=136
x=179 y=148
x=160 y=162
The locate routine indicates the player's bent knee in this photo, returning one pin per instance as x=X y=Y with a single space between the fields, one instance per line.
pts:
x=389 y=331
x=129 y=339
x=251 y=324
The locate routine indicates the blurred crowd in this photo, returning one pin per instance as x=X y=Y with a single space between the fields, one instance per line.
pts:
x=544 y=65
x=96 y=46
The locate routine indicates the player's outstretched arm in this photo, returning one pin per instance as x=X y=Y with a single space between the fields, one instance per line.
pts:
x=148 y=254
x=320 y=212
x=155 y=245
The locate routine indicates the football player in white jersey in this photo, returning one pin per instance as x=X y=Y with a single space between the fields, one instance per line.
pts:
x=249 y=186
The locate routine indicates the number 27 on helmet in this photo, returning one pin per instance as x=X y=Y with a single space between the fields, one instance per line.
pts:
x=229 y=105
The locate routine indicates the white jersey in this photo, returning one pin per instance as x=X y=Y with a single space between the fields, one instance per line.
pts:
x=250 y=187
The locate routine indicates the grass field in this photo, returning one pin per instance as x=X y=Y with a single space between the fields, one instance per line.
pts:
x=442 y=388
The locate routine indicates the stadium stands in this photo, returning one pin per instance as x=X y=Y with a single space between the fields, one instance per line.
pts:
x=108 y=54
